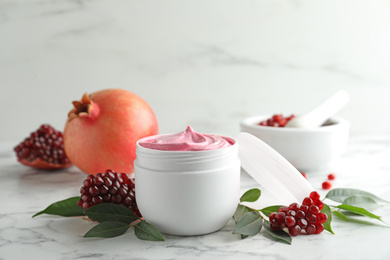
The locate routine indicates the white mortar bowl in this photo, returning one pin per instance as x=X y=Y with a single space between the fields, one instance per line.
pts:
x=306 y=149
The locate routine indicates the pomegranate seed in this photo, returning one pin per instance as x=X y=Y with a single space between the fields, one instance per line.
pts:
x=311 y=218
x=94 y=191
x=291 y=213
x=326 y=185
x=302 y=223
x=331 y=176
x=295 y=230
x=314 y=209
x=289 y=221
x=275 y=226
x=314 y=195
x=304 y=208
x=322 y=218
x=279 y=217
x=319 y=228
x=272 y=216
x=307 y=201
x=310 y=229
x=304 y=175
x=293 y=206
x=319 y=204
x=283 y=209
x=300 y=214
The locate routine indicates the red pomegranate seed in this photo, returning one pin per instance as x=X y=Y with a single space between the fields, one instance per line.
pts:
x=304 y=208
x=319 y=204
x=304 y=175
x=283 y=209
x=279 y=217
x=326 y=185
x=313 y=209
x=275 y=226
x=314 y=195
x=322 y=218
x=272 y=216
x=291 y=213
x=300 y=214
x=319 y=228
x=289 y=221
x=302 y=223
x=307 y=201
x=295 y=230
x=310 y=229
x=311 y=218
x=331 y=176
x=293 y=206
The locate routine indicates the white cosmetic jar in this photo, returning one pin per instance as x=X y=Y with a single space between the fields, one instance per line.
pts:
x=187 y=193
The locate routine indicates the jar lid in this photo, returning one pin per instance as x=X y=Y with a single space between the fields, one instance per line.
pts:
x=280 y=181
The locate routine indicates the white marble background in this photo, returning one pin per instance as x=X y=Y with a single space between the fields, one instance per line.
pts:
x=203 y=63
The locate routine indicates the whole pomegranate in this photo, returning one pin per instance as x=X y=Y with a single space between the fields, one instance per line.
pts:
x=102 y=130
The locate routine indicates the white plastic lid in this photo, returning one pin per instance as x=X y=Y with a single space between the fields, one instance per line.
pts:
x=281 y=183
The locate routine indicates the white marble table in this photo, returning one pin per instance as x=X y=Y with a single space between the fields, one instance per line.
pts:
x=366 y=165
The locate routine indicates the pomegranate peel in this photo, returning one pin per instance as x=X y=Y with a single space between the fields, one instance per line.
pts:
x=43 y=165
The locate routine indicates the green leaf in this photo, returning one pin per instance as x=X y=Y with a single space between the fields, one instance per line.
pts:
x=146 y=231
x=108 y=229
x=268 y=210
x=240 y=211
x=65 y=208
x=359 y=211
x=340 y=215
x=111 y=212
x=328 y=212
x=251 y=195
x=362 y=202
x=279 y=235
x=249 y=225
x=339 y=195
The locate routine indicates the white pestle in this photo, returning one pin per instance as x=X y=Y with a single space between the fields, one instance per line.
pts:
x=318 y=116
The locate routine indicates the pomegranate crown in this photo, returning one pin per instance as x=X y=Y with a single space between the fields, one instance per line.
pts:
x=81 y=108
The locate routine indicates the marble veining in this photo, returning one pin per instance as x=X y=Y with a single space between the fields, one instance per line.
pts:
x=29 y=191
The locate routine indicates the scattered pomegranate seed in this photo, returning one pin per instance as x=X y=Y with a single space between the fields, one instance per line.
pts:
x=331 y=176
x=326 y=185
x=304 y=175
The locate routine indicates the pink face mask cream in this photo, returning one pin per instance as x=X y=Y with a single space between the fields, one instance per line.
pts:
x=187 y=183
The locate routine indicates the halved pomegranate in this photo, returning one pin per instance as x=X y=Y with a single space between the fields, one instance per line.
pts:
x=43 y=149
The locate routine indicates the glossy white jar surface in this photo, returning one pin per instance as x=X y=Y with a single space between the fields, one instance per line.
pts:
x=187 y=192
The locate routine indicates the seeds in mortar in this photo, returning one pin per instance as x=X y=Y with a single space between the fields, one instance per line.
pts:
x=108 y=187
x=277 y=120
x=43 y=149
